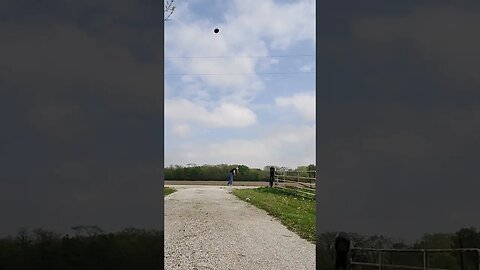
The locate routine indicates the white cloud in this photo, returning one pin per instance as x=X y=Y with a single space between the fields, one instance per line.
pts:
x=224 y=115
x=182 y=130
x=179 y=43
x=289 y=146
x=281 y=24
x=250 y=28
x=307 y=67
x=303 y=103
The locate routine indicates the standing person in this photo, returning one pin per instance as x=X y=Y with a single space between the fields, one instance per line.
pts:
x=230 y=178
x=272 y=175
x=231 y=175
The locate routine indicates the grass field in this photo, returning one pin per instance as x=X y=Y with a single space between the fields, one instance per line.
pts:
x=296 y=213
x=308 y=190
x=168 y=190
x=308 y=194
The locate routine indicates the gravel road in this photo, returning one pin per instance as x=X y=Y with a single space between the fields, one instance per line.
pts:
x=207 y=227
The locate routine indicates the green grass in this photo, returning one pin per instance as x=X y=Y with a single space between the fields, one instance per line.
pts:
x=294 y=191
x=168 y=190
x=296 y=213
x=308 y=190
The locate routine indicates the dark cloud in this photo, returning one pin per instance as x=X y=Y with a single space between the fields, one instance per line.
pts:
x=81 y=114
x=398 y=111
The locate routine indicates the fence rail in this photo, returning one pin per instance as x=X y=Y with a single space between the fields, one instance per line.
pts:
x=296 y=177
x=424 y=252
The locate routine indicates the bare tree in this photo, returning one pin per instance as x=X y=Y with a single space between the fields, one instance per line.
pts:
x=169 y=8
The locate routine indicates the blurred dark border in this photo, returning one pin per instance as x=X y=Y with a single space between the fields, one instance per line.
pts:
x=398 y=109
x=81 y=120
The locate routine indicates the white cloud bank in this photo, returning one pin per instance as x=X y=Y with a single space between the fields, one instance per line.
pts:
x=289 y=146
x=302 y=103
x=250 y=28
x=227 y=115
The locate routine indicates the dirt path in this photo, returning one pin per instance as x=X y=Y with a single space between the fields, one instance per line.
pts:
x=206 y=227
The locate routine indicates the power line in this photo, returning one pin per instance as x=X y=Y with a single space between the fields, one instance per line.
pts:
x=239 y=56
x=229 y=74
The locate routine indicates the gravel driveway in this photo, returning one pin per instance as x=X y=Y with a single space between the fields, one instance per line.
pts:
x=207 y=227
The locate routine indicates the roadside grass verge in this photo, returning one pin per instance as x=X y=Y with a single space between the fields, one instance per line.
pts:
x=295 y=191
x=168 y=190
x=308 y=190
x=295 y=212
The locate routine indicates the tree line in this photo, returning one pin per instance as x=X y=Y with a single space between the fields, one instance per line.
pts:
x=89 y=248
x=92 y=248
x=220 y=172
x=463 y=238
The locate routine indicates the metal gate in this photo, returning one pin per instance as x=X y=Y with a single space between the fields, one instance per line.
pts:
x=371 y=258
x=305 y=178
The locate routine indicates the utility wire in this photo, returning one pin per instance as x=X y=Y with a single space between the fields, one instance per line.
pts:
x=228 y=74
x=239 y=56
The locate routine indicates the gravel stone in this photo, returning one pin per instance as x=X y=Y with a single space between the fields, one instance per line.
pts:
x=207 y=227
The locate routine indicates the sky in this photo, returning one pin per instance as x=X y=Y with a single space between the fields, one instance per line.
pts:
x=398 y=109
x=81 y=114
x=225 y=101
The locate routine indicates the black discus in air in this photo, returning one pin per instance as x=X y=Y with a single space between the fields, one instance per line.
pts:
x=216 y=30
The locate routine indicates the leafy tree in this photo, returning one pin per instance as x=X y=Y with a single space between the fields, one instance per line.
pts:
x=129 y=249
x=88 y=230
x=434 y=241
x=243 y=169
x=219 y=172
x=467 y=238
x=311 y=170
x=438 y=241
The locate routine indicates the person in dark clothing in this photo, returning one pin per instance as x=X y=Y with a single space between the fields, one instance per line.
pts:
x=272 y=175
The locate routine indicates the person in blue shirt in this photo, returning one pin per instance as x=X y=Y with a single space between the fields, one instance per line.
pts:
x=231 y=175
